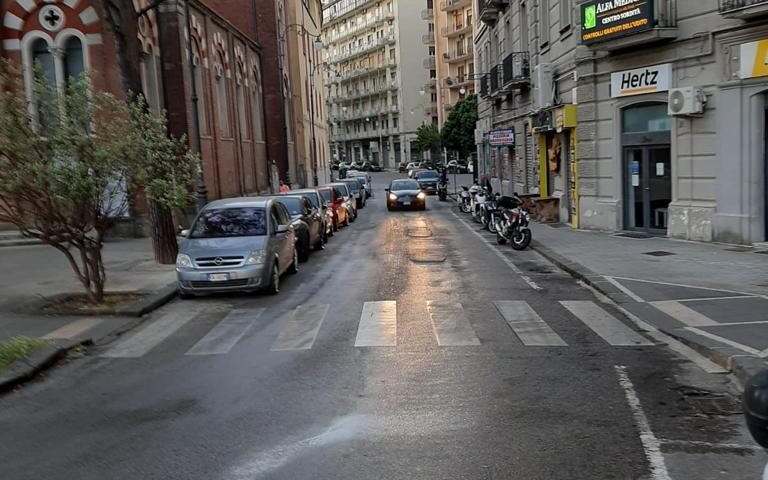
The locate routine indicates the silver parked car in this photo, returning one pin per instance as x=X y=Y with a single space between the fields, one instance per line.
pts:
x=238 y=244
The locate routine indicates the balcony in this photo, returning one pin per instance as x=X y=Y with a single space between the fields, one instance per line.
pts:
x=455 y=30
x=458 y=82
x=495 y=79
x=516 y=71
x=456 y=56
x=484 y=86
x=428 y=39
x=431 y=84
x=362 y=25
x=428 y=14
x=744 y=9
x=489 y=12
x=429 y=62
x=334 y=14
x=661 y=28
x=362 y=49
x=451 y=5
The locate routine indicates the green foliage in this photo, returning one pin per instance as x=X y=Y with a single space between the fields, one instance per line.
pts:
x=67 y=160
x=16 y=348
x=427 y=137
x=459 y=129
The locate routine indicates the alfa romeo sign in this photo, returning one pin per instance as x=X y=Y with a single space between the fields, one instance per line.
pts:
x=607 y=19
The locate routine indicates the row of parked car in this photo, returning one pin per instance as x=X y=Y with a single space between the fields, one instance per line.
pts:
x=359 y=166
x=247 y=244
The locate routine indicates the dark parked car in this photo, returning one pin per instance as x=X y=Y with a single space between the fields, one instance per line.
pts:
x=358 y=192
x=428 y=180
x=316 y=199
x=307 y=224
x=405 y=193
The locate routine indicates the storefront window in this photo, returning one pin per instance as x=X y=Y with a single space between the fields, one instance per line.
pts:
x=648 y=118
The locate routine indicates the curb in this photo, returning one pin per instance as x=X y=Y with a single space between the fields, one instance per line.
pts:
x=27 y=368
x=150 y=302
x=740 y=364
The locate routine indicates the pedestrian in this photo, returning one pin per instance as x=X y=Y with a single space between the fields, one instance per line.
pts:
x=283 y=187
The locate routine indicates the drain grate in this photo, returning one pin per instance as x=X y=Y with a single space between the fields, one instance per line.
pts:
x=710 y=403
x=659 y=253
x=427 y=258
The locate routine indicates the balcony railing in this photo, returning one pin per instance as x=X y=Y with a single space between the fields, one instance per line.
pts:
x=484 y=86
x=516 y=70
x=429 y=62
x=458 y=81
x=495 y=79
x=428 y=39
x=337 y=12
x=366 y=23
x=489 y=12
x=744 y=9
x=427 y=14
x=456 y=56
x=451 y=5
x=453 y=30
x=361 y=49
x=431 y=84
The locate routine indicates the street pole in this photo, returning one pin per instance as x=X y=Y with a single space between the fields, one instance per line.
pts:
x=201 y=190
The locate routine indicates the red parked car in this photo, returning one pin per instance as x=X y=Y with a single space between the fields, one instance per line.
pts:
x=340 y=216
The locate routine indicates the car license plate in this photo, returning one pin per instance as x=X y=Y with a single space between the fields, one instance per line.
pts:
x=218 y=277
x=406 y=203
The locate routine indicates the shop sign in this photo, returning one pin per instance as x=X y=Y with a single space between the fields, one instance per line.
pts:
x=608 y=19
x=502 y=138
x=657 y=78
x=754 y=59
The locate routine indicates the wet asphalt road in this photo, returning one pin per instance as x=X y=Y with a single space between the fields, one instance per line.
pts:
x=293 y=397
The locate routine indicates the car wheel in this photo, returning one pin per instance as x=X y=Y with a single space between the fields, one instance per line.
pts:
x=346 y=221
x=320 y=244
x=303 y=252
x=294 y=268
x=274 y=280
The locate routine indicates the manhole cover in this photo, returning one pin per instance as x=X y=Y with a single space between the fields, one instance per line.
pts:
x=427 y=258
x=632 y=235
x=419 y=232
x=659 y=253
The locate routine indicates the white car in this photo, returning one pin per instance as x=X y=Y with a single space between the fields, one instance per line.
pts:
x=412 y=167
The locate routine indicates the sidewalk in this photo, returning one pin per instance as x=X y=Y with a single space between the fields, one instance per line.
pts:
x=712 y=297
x=32 y=273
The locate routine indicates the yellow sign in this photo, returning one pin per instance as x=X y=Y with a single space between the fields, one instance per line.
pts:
x=754 y=59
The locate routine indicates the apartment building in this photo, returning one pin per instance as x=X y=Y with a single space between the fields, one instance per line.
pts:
x=524 y=52
x=449 y=40
x=375 y=83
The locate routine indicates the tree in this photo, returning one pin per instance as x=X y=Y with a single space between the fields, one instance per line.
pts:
x=427 y=138
x=459 y=129
x=122 y=17
x=66 y=162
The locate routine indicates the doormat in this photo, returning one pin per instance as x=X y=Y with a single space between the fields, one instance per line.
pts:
x=659 y=253
x=639 y=236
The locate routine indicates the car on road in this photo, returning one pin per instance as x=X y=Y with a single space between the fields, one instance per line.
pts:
x=404 y=193
x=455 y=166
x=358 y=192
x=402 y=167
x=412 y=173
x=428 y=180
x=339 y=215
x=365 y=180
x=374 y=167
x=307 y=224
x=318 y=201
x=412 y=167
x=349 y=202
x=238 y=244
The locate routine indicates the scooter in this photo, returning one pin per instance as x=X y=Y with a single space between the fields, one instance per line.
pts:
x=490 y=212
x=464 y=200
x=512 y=223
x=478 y=199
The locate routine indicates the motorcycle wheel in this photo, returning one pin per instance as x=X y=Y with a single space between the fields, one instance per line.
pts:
x=492 y=225
x=500 y=240
x=484 y=220
x=465 y=207
x=521 y=239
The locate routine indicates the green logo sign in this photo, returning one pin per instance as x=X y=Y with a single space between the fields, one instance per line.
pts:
x=590 y=17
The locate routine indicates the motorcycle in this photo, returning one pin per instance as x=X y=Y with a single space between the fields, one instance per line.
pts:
x=512 y=223
x=478 y=199
x=442 y=191
x=464 y=200
x=490 y=212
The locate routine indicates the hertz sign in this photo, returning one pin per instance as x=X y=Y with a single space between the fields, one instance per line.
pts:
x=607 y=19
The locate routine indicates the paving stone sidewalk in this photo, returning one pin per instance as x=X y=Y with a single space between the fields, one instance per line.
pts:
x=712 y=297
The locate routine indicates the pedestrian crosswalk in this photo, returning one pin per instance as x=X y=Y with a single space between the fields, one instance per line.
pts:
x=376 y=326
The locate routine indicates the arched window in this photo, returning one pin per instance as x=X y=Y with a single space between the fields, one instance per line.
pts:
x=257 y=110
x=197 y=71
x=74 y=63
x=222 y=99
x=43 y=60
x=242 y=115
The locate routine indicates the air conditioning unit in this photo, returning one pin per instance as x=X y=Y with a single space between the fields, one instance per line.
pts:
x=449 y=81
x=686 y=101
x=543 y=89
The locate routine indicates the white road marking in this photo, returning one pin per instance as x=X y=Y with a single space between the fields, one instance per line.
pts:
x=735 y=297
x=651 y=444
x=608 y=327
x=451 y=325
x=624 y=289
x=697 y=443
x=73 y=329
x=153 y=334
x=300 y=328
x=378 y=325
x=529 y=327
x=684 y=314
x=717 y=338
x=503 y=258
x=684 y=286
x=673 y=344
x=226 y=333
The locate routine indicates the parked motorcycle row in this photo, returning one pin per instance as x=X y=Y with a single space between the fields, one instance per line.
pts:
x=501 y=215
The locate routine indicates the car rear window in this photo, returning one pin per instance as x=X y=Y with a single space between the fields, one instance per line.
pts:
x=293 y=205
x=230 y=222
x=354 y=185
x=326 y=195
x=404 y=185
x=425 y=175
x=312 y=199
